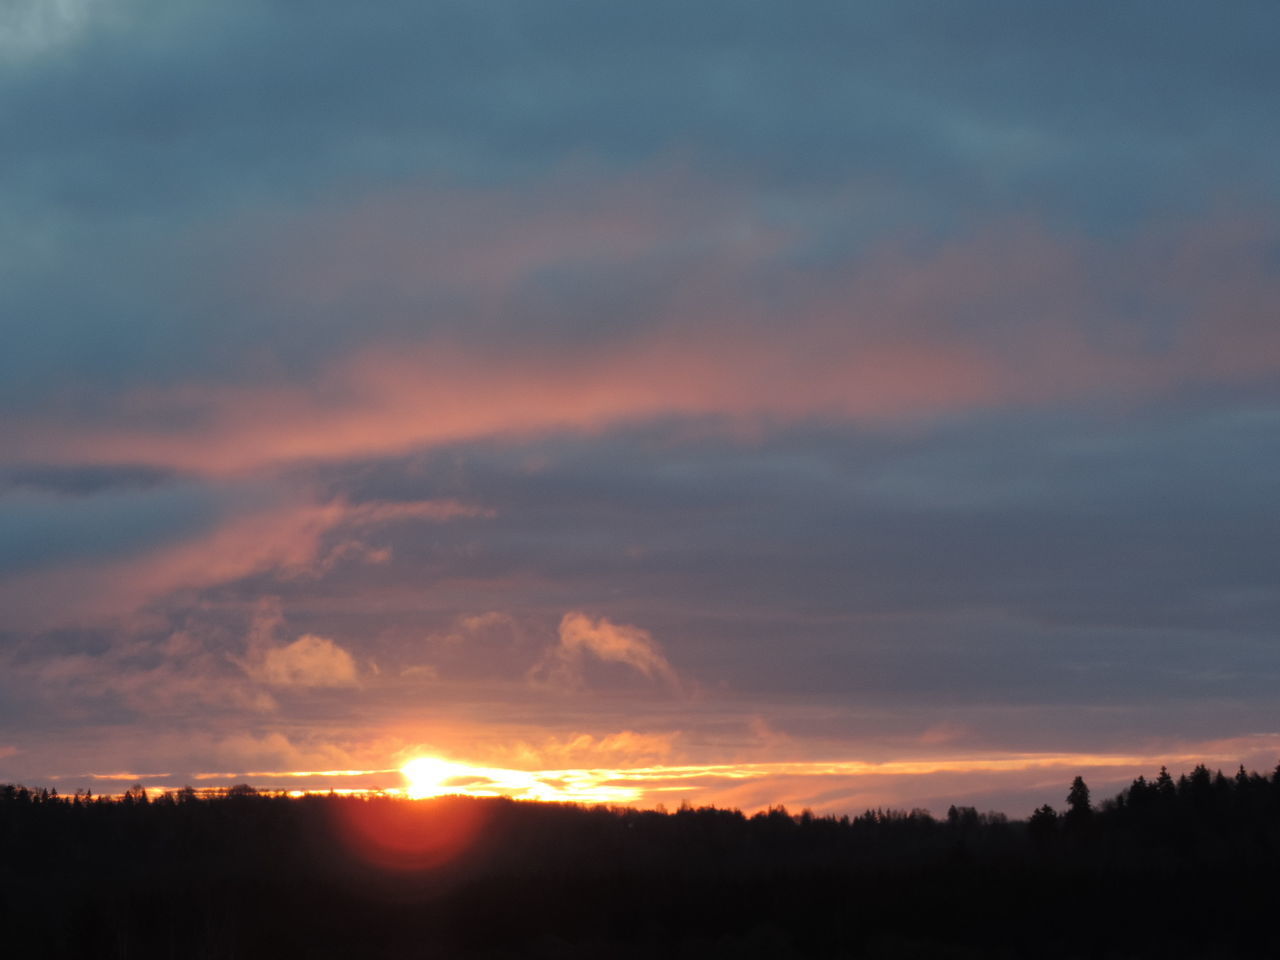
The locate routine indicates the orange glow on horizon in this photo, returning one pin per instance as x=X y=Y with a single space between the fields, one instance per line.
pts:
x=747 y=785
x=429 y=776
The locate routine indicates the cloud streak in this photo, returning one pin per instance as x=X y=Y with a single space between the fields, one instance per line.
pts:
x=284 y=539
x=1012 y=316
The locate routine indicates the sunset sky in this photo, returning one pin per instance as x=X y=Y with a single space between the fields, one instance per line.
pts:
x=831 y=404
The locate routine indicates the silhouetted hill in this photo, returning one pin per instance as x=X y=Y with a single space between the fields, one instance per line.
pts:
x=1169 y=869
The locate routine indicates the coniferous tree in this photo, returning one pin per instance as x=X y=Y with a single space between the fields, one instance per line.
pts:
x=1043 y=825
x=1079 y=812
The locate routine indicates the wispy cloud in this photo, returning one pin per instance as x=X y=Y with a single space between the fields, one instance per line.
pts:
x=302 y=538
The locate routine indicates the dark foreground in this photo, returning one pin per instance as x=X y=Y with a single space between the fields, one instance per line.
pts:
x=1169 y=869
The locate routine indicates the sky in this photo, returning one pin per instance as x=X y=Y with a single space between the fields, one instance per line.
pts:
x=832 y=404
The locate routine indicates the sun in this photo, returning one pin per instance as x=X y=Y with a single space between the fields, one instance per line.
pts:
x=430 y=776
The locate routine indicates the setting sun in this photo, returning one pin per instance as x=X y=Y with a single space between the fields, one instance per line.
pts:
x=431 y=776
x=427 y=776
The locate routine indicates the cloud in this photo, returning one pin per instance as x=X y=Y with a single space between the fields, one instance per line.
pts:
x=40 y=527
x=583 y=750
x=422 y=671
x=471 y=629
x=277 y=538
x=287 y=539
x=1007 y=315
x=979 y=108
x=429 y=395
x=583 y=639
x=373 y=513
x=33 y=28
x=146 y=676
x=310 y=661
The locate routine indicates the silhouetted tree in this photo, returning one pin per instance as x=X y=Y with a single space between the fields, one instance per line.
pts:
x=1043 y=825
x=1079 y=812
x=1140 y=797
x=964 y=819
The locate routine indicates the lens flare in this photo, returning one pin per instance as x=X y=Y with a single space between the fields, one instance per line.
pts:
x=397 y=834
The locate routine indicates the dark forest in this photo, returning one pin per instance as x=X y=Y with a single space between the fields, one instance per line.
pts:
x=1169 y=868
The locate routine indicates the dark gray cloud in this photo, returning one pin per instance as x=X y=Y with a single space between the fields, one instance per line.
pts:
x=155 y=123
x=42 y=527
x=1087 y=559
x=995 y=509
x=252 y=98
x=81 y=480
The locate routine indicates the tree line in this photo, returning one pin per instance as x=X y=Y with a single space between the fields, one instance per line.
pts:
x=1167 y=868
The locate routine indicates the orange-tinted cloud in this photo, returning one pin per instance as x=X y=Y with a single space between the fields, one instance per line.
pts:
x=411 y=396
x=582 y=638
x=623 y=748
x=289 y=540
x=310 y=661
x=1007 y=315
